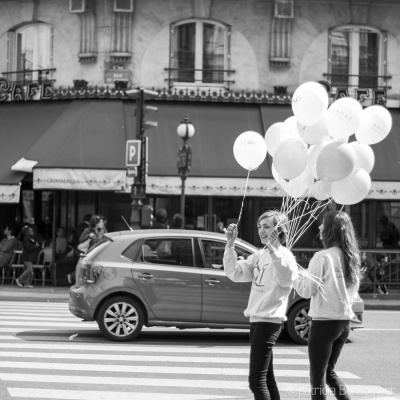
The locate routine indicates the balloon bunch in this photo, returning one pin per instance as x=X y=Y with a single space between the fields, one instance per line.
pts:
x=312 y=156
x=311 y=153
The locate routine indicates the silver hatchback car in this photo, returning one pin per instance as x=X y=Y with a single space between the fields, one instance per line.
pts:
x=169 y=278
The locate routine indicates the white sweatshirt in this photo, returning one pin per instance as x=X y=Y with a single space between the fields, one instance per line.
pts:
x=334 y=301
x=272 y=275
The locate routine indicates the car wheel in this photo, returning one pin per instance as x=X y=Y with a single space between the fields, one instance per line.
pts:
x=299 y=323
x=120 y=319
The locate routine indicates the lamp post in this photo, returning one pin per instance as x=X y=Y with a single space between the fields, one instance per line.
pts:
x=185 y=132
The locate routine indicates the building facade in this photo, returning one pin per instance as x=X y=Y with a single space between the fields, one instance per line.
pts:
x=231 y=65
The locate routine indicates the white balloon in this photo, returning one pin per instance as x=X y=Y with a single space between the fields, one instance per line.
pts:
x=275 y=174
x=376 y=124
x=343 y=117
x=312 y=157
x=352 y=189
x=289 y=129
x=299 y=186
x=273 y=137
x=309 y=102
x=365 y=157
x=321 y=190
x=314 y=134
x=290 y=158
x=250 y=150
x=335 y=161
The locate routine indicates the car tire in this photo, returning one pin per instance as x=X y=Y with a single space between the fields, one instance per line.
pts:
x=299 y=323
x=120 y=319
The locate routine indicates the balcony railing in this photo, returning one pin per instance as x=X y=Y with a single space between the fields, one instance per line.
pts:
x=363 y=81
x=391 y=269
x=26 y=76
x=210 y=76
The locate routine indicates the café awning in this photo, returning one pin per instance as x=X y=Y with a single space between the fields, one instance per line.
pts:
x=80 y=145
x=83 y=149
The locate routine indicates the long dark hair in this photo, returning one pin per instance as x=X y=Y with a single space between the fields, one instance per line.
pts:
x=338 y=230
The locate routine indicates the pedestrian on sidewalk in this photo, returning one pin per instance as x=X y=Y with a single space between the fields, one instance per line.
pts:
x=337 y=267
x=8 y=244
x=377 y=273
x=30 y=252
x=272 y=271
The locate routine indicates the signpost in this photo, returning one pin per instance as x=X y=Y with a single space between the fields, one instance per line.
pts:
x=133 y=148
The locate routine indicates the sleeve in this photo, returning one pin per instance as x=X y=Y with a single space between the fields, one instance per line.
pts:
x=304 y=285
x=238 y=271
x=285 y=267
x=85 y=235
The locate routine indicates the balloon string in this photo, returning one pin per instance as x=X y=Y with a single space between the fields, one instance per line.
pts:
x=244 y=195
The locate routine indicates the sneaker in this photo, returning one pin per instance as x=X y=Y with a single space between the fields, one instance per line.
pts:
x=69 y=279
x=29 y=286
x=19 y=283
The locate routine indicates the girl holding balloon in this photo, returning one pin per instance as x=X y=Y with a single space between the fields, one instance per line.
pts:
x=338 y=268
x=272 y=271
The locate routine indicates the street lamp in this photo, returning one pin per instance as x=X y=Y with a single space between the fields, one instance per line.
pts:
x=185 y=132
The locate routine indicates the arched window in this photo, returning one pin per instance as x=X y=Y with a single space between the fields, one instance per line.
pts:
x=199 y=53
x=30 y=52
x=357 y=57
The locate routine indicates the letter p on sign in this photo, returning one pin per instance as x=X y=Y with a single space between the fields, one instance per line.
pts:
x=133 y=153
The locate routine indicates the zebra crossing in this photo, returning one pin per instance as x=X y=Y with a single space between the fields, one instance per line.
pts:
x=46 y=353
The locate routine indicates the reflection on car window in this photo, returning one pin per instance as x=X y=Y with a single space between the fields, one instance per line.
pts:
x=214 y=253
x=170 y=251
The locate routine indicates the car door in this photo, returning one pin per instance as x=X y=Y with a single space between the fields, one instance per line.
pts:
x=223 y=300
x=168 y=280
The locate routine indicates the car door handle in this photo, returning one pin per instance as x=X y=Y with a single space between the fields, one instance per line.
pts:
x=212 y=282
x=146 y=275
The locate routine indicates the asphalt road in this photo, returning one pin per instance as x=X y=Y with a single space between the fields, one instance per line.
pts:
x=45 y=351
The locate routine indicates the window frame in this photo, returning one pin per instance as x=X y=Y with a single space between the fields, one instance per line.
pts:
x=199 y=54
x=34 y=73
x=354 y=55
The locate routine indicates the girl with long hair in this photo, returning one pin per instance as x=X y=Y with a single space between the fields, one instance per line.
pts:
x=338 y=268
x=272 y=271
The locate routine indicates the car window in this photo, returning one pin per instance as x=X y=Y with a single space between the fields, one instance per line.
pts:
x=170 y=251
x=214 y=253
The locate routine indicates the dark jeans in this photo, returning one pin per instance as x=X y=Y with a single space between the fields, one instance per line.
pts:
x=325 y=344
x=263 y=336
x=26 y=277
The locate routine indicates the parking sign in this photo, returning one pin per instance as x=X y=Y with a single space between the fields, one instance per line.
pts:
x=133 y=153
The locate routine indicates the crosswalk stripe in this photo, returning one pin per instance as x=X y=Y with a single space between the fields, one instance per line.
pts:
x=293 y=388
x=101 y=395
x=40 y=318
x=144 y=348
x=45 y=323
x=47 y=313
x=159 y=370
x=82 y=327
x=31 y=304
x=137 y=358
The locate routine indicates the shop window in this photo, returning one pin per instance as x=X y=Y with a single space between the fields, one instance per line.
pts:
x=199 y=53
x=388 y=225
x=357 y=57
x=30 y=53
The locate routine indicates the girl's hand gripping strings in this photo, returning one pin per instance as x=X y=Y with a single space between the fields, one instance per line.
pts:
x=231 y=235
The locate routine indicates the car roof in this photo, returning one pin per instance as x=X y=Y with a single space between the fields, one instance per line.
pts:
x=174 y=232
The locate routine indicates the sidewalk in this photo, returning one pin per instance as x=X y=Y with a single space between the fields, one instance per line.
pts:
x=40 y=293
x=61 y=293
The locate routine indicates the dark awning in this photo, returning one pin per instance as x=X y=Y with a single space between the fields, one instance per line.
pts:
x=22 y=124
x=81 y=144
x=83 y=149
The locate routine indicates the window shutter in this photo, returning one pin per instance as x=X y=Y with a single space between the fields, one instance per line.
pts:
x=284 y=9
x=77 y=6
x=123 y=6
